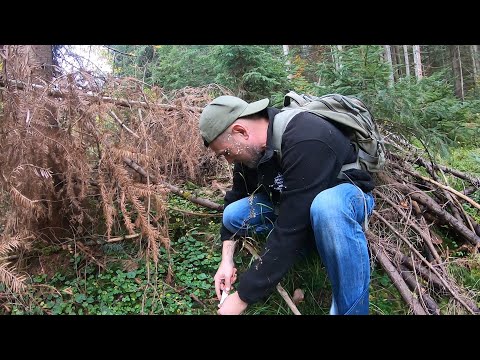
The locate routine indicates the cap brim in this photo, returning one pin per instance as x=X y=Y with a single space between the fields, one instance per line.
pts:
x=255 y=107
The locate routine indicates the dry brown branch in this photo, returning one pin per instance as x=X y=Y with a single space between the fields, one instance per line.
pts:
x=89 y=254
x=193 y=213
x=448 y=188
x=9 y=244
x=475 y=181
x=424 y=233
x=123 y=125
x=416 y=252
x=425 y=299
x=434 y=207
x=287 y=299
x=426 y=274
x=55 y=91
x=185 y=194
x=394 y=275
x=12 y=280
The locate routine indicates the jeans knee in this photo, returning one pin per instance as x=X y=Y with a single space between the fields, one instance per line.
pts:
x=230 y=219
x=322 y=206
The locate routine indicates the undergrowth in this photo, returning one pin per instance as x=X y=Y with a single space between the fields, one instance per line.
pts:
x=182 y=282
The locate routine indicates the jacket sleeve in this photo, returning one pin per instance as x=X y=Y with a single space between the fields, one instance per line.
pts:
x=312 y=157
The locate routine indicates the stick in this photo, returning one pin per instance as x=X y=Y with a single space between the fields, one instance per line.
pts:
x=396 y=278
x=185 y=194
x=123 y=125
x=280 y=289
x=410 y=245
x=289 y=301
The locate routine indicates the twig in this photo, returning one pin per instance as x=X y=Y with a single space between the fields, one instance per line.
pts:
x=280 y=289
x=448 y=188
x=430 y=304
x=289 y=301
x=185 y=194
x=123 y=125
x=395 y=276
x=120 y=238
x=410 y=245
x=118 y=51
x=422 y=234
x=194 y=297
x=86 y=251
x=193 y=212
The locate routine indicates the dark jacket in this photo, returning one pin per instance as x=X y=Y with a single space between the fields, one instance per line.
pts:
x=313 y=151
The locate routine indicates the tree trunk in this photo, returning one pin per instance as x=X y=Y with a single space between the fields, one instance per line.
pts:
x=397 y=62
x=407 y=62
x=339 y=56
x=336 y=58
x=43 y=56
x=457 y=71
x=306 y=50
x=475 y=67
x=388 y=59
x=417 y=59
x=286 y=52
x=29 y=63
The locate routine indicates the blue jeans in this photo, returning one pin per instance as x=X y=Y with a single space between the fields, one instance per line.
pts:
x=337 y=216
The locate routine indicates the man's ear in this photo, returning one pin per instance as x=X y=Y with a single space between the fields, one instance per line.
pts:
x=242 y=130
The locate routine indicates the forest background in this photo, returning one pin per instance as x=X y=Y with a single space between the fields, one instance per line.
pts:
x=110 y=205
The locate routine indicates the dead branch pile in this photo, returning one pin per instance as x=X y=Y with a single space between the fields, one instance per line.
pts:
x=418 y=213
x=87 y=160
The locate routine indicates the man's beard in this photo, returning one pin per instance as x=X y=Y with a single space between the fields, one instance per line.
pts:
x=256 y=154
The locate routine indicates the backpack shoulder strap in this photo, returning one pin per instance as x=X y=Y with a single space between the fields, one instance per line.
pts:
x=280 y=122
x=298 y=100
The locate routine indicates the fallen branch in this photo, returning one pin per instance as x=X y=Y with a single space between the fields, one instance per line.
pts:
x=427 y=300
x=87 y=252
x=424 y=273
x=185 y=194
x=280 y=289
x=395 y=276
x=56 y=92
x=422 y=234
x=410 y=245
x=120 y=238
x=123 y=125
x=448 y=188
x=434 y=207
x=193 y=213
x=287 y=299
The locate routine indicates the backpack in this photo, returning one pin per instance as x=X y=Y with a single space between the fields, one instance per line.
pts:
x=347 y=111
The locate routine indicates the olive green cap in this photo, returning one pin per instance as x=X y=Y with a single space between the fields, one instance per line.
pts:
x=222 y=112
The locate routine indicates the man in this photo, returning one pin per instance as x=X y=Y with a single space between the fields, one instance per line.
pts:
x=298 y=200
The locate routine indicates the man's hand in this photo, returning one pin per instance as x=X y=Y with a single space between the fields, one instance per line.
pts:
x=224 y=278
x=232 y=305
